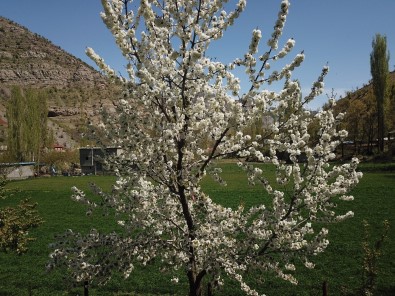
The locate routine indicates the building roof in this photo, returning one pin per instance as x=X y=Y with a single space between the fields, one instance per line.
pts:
x=3 y=122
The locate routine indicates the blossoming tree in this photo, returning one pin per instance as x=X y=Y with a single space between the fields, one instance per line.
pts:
x=176 y=99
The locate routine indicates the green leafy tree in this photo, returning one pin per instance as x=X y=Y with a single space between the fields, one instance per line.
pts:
x=390 y=114
x=360 y=118
x=379 y=59
x=16 y=134
x=64 y=161
x=27 y=124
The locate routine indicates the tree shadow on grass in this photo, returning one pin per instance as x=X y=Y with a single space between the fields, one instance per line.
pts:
x=389 y=176
x=386 y=291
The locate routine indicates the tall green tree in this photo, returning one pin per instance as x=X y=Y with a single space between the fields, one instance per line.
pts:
x=27 y=124
x=379 y=59
x=16 y=134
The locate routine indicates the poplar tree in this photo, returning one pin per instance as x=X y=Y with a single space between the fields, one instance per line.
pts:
x=36 y=120
x=379 y=59
x=16 y=138
x=27 y=124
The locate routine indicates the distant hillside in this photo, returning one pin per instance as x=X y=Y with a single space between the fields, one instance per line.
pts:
x=75 y=89
x=360 y=107
x=28 y=59
x=364 y=94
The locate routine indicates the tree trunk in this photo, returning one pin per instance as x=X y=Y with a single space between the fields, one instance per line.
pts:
x=209 y=290
x=325 y=289
x=194 y=287
x=195 y=281
x=380 y=126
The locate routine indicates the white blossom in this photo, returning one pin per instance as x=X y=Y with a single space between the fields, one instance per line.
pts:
x=179 y=113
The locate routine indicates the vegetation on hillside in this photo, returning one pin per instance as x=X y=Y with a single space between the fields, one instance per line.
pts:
x=74 y=90
x=360 y=108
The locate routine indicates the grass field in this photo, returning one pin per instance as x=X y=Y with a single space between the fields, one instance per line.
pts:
x=340 y=266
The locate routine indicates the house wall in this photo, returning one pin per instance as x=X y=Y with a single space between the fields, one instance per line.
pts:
x=20 y=172
x=90 y=159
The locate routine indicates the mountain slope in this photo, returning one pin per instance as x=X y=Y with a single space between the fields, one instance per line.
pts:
x=360 y=108
x=29 y=59
x=75 y=90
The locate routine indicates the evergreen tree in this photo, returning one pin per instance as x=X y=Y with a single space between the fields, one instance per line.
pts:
x=379 y=59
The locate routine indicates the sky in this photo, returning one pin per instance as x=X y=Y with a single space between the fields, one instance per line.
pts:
x=337 y=33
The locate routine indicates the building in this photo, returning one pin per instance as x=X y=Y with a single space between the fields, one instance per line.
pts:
x=59 y=148
x=91 y=159
x=17 y=171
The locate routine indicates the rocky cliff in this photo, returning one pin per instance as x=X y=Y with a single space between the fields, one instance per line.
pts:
x=74 y=89
x=29 y=59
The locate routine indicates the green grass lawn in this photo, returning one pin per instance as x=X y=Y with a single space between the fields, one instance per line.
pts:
x=340 y=265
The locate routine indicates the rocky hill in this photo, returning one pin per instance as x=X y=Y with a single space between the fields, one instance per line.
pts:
x=365 y=93
x=28 y=59
x=74 y=88
x=360 y=108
